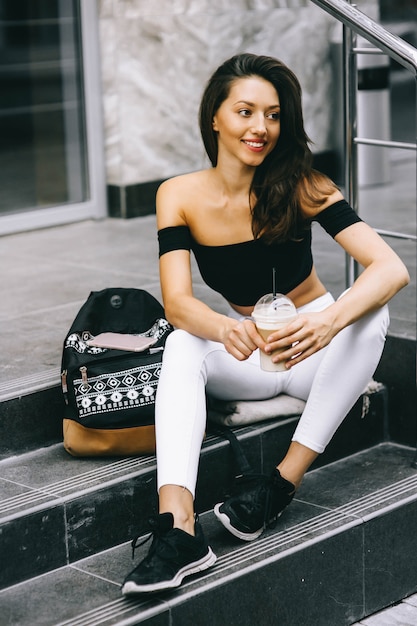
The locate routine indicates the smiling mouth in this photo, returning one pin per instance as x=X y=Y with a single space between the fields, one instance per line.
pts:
x=254 y=144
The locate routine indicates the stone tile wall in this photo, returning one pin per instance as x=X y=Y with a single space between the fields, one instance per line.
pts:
x=157 y=56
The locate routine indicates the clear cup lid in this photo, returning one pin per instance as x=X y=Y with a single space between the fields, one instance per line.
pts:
x=272 y=304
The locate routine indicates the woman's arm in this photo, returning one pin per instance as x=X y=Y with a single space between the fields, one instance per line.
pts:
x=182 y=309
x=383 y=275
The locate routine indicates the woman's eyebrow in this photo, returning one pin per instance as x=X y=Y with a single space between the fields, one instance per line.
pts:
x=252 y=104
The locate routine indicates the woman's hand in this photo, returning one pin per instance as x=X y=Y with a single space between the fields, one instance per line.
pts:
x=241 y=339
x=307 y=334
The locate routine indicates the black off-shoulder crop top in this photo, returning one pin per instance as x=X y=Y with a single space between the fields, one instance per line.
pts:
x=242 y=272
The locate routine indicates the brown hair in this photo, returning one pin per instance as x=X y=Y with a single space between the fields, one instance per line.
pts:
x=285 y=178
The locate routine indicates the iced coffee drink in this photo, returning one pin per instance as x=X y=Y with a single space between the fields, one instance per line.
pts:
x=272 y=312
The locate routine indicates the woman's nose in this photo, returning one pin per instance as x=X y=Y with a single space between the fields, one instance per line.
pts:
x=259 y=126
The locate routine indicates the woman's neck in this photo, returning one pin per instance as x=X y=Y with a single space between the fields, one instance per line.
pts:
x=234 y=179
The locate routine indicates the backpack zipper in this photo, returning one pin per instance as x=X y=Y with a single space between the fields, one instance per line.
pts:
x=64 y=385
x=84 y=377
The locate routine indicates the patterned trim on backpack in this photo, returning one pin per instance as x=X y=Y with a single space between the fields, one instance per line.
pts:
x=122 y=390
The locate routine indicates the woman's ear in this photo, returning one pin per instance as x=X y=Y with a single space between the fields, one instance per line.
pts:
x=214 y=124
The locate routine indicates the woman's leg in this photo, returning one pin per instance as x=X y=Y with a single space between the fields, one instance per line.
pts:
x=330 y=381
x=190 y=366
x=336 y=382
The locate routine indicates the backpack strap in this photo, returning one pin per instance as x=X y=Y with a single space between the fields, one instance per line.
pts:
x=243 y=466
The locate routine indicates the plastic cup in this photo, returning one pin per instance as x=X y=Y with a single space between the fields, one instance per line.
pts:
x=272 y=312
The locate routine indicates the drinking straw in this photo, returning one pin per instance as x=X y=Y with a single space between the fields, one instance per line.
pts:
x=274 y=287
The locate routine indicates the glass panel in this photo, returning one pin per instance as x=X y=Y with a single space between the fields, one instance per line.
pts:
x=43 y=160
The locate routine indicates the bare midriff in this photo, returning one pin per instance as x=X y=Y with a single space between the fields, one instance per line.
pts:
x=307 y=291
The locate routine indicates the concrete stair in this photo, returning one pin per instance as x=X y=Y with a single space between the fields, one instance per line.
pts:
x=345 y=547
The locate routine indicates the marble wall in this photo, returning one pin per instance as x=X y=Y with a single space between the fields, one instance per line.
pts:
x=157 y=56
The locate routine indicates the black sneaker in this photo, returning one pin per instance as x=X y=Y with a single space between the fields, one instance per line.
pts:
x=173 y=555
x=260 y=501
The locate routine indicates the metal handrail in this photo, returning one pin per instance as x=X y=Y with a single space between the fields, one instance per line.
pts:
x=386 y=144
x=373 y=32
x=394 y=234
x=357 y=23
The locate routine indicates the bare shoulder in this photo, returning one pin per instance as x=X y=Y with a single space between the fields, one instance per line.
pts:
x=185 y=184
x=176 y=195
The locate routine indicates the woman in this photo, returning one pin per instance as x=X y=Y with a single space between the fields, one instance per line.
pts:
x=252 y=211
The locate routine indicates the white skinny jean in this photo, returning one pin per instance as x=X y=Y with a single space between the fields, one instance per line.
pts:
x=330 y=381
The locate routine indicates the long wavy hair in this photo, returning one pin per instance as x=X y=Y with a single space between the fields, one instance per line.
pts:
x=286 y=175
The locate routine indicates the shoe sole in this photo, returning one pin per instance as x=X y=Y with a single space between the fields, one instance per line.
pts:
x=225 y=520
x=130 y=587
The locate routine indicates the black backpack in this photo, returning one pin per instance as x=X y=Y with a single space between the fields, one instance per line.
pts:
x=109 y=393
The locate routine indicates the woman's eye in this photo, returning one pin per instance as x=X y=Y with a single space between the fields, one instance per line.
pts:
x=272 y=116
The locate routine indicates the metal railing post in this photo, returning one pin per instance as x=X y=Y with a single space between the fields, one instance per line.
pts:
x=414 y=463
x=350 y=126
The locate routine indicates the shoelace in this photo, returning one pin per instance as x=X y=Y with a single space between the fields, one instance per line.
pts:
x=263 y=480
x=267 y=506
x=135 y=545
x=246 y=478
x=155 y=533
x=242 y=479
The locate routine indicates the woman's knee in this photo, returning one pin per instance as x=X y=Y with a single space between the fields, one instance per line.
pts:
x=365 y=337
x=185 y=351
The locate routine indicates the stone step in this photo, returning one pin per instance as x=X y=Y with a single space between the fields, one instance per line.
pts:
x=31 y=408
x=31 y=411
x=344 y=548
x=56 y=509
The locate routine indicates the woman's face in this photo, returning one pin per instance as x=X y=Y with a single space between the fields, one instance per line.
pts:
x=248 y=121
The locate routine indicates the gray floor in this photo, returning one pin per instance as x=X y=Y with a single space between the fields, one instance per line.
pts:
x=403 y=614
